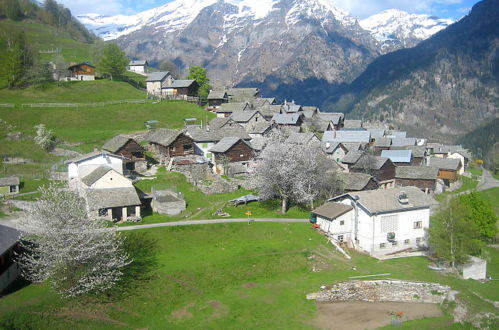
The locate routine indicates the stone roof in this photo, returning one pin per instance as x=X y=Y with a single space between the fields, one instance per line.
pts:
x=243 y=116
x=351 y=146
x=352 y=123
x=137 y=62
x=111 y=197
x=332 y=210
x=95 y=175
x=181 y=83
x=352 y=157
x=451 y=164
x=217 y=95
x=92 y=155
x=346 y=136
x=231 y=107
x=9 y=181
x=382 y=142
x=163 y=136
x=387 y=200
x=417 y=151
x=372 y=162
x=8 y=237
x=157 y=76
x=261 y=101
x=335 y=117
x=217 y=123
x=225 y=144
x=355 y=181
x=286 y=119
x=403 y=141
x=416 y=172
x=302 y=138
x=260 y=127
x=291 y=108
x=396 y=134
x=116 y=143
x=268 y=110
x=214 y=135
x=398 y=156
x=241 y=94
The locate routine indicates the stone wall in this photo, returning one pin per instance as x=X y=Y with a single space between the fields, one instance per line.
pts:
x=383 y=290
x=195 y=172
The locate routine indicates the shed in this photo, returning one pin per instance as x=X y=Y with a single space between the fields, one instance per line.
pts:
x=167 y=202
x=9 y=185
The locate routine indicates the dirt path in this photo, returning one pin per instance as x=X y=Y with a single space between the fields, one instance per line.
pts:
x=353 y=315
x=487 y=181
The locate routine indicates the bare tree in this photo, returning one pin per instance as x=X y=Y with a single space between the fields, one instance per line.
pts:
x=62 y=245
x=292 y=172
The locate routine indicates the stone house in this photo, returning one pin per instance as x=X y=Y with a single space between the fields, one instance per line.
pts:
x=243 y=94
x=9 y=269
x=138 y=66
x=422 y=177
x=378 y=222
x=247 y=118
x=335 y=150
x=217 y=98
x=156 y=81
x=381 y=168
x=357 y=181
x=287 y=119
x=9 y=185
x=167 y=202
x=337 y=118
x=114 y=204
x=129 y=149
x=226 y=109
x=229 y=150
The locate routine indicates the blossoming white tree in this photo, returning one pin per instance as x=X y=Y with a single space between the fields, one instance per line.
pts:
x=61 y=244
x=293 y=172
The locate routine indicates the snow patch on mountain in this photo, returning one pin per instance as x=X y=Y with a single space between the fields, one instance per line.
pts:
x=396 y=25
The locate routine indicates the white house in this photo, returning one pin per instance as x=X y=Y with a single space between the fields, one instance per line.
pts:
x=138 y=66
x=378 y=221
x=80 y=166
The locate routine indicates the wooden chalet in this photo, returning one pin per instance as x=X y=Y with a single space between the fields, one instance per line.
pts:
x=423 y=177
x=169 y=143
x=233 y=149
x=381 y=168
x=181 y=89
x=217 y=98
x=448 y=168
x=128 y=148
x=357 y=181
x=81 y=71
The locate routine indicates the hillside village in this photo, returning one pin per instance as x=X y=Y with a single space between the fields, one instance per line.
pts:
x=178 y=175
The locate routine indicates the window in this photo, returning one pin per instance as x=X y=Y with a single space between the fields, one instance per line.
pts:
x=130 y=210
x=418 y=240
x=394 y=243
x=406 y=241
x=342 y=222
x=418 y=224
x=340 y=238
x=102 y=212
x=187 y=147
x=389 y=223
x=382 y=245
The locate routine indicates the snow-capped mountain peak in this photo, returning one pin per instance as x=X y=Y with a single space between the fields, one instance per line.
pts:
x=396 y=28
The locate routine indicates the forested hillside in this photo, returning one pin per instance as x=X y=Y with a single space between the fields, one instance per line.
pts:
x=484 y=143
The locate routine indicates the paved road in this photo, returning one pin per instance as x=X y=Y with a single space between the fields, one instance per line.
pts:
x=487 y=181
x=209 y=222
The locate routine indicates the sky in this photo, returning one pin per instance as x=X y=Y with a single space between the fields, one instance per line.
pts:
x=453 y=9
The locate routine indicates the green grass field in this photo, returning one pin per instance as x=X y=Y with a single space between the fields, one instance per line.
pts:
x=468 y=184
x=226 y=276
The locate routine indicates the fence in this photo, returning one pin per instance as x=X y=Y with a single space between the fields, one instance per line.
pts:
x=7 y=105
x=162 y=96
x=77 y=105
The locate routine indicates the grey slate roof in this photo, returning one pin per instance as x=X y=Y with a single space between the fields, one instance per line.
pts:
x=232 y=107
x=116 y=143
x=332 y=210
x=373 y=162
x=387 y=200
x=181 y=83
x=346 y=136
x=352 y=123
x=225 y=144
x=137 y=62
x=91 y=155
x=417 y=151
x=350 y=146
x=157 y=76
x=217 y=123
x=329 y=147
x=8 y=237
x=286 y=119
x=214 y=135
x=243 y=116
x=291 y=108
x=261 y=101
x=163 y=136
x=352 y=157
x=241 y=94
x=95 y=175
x=416 y=172
x=398 y=156
x=217 y=95
x=260 y=127
x=403 y=141
x=396 y=134
x=301 y=138
x=9 y=181
x=355 y=181
x=451 y=164
x=382 y=142
x=335 y=117
x=111 y=197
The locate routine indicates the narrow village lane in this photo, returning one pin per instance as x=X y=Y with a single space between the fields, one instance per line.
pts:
x=487 y=181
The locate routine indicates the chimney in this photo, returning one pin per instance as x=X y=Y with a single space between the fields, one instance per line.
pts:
x=403 y=198
x=328 y=145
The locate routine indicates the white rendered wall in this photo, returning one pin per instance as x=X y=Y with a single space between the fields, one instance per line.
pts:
x=112 y=179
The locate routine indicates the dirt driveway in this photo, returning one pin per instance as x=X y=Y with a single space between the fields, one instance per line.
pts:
x=361 y=315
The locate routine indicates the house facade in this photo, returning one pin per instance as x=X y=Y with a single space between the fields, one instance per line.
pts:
x=140 y=67
x=81 y=72
x=230 y=150
x=168 y=143
x=9 y=269
x=378 y=222
x=129 y=149
x=156 y=81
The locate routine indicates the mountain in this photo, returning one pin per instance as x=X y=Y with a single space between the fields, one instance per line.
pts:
x=483 y=141
x=395 y=29
x=446 y=85
x=292 y=49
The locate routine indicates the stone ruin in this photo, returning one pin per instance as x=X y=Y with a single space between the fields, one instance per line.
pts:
x=383 y=290
x=167 y=202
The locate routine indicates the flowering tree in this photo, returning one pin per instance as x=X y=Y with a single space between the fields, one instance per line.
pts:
x=293 y=172
x=61 y=244
x=45 y=138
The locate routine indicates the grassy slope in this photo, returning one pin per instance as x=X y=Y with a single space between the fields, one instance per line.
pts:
x=228 y=276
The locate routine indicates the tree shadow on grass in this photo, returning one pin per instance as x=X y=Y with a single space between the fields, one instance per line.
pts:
x=143 y=250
